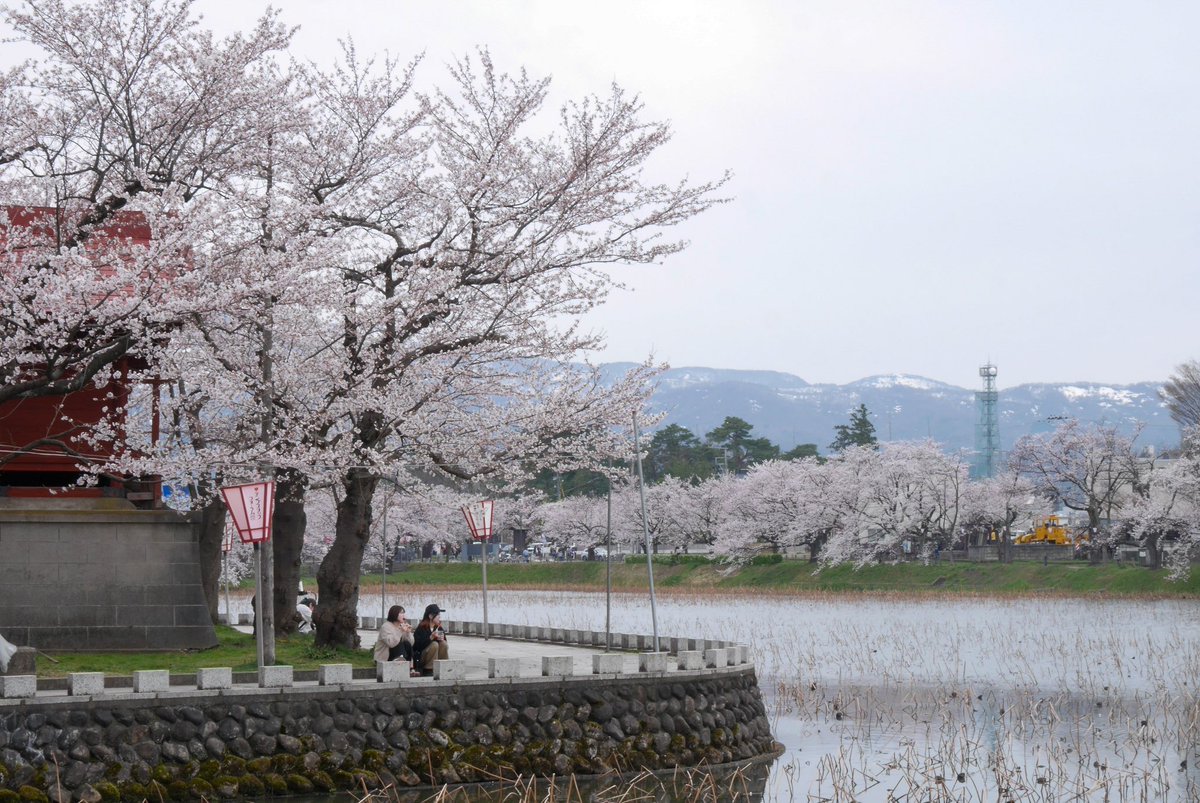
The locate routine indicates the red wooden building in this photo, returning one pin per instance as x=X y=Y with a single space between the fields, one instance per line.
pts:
x=41 y=438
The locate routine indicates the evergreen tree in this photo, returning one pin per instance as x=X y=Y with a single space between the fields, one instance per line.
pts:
x=676 y=452
x=800 y=451
x=859 y=432
x=739 y=451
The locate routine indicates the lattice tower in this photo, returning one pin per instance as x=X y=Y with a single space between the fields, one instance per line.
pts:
x=987 y=426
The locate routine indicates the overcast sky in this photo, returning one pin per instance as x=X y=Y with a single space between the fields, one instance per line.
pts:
x=919 y=187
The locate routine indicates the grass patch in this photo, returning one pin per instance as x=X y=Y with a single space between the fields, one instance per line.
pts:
x=798 y=576
x=236 y=650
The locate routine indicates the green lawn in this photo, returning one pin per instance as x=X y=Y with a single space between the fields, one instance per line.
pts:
x=1026 y=577
x=236 y=650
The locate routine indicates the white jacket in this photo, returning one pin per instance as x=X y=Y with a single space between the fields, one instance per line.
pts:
x=389 y=636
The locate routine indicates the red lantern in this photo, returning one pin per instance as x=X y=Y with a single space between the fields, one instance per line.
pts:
x=479 y=519
x=252 y=507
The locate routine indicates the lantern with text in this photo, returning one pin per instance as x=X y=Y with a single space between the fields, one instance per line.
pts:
x=252 y=507
x=479 y=519
x=227 y=539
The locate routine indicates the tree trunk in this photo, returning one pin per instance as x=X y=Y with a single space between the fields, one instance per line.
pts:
x=1153 y=554
x=1095 y=551
x=336 y=619
x=288 y=538
x=816 y=545
x=210 y=530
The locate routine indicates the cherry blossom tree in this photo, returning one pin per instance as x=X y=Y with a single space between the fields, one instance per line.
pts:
x=1169 y=507
x=579 y=521
x=905 y=492
x=131 y=116
x=996 y=503
x=359 y=276
x=1083 y=467
x=773 y=508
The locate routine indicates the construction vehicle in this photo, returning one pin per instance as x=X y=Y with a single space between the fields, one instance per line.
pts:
x=1049 y=530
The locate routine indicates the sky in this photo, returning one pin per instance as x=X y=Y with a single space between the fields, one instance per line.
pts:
x=918 y=187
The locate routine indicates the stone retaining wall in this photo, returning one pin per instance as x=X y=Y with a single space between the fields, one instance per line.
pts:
x=248 y=741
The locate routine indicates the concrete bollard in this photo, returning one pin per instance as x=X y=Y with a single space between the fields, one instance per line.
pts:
x=608 y=664
x=220 y=677
x=558 y=665
x=16 y=687
x=335 y=674
x=716 y=657
x=391 y=671
x=80 y=684
x=504 y=667
x=691 y=659
x=742 y=654
x=146 y=681
x=543 y=634
x=274 y=677
x=449 y=670
x=245 y=619
x=652 y=662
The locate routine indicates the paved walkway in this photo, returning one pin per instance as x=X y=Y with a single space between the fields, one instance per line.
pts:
x=475 y=652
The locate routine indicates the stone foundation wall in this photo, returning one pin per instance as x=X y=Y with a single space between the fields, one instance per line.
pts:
x=100 y=578
x=246 y=743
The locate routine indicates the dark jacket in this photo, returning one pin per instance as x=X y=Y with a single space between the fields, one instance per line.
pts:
x=422 y=638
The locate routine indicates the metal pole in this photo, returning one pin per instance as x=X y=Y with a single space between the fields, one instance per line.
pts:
x=258 y=606
x=637 y=445
x=266 y=597
x=484 y=544
x=608 y=574
x=383 y=588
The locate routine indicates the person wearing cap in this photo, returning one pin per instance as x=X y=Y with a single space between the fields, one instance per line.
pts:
x=429 y=640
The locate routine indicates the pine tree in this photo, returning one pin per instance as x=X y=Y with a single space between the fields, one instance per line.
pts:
x=859 y=432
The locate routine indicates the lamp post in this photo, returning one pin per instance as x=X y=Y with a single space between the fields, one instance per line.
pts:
x=226 y=548
x=637 y=446
x=252 y=508
x=479 y=520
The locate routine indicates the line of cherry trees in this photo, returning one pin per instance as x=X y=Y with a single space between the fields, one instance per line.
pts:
x=865 y=504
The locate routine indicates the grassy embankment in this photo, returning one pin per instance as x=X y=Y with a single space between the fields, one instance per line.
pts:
x=793 y=576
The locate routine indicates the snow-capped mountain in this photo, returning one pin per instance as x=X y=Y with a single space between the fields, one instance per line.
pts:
x=789 y=410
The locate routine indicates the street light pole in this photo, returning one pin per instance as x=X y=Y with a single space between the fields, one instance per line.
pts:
x=637 y=445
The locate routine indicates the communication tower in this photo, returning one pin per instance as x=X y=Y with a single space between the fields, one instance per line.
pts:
x=987 y=427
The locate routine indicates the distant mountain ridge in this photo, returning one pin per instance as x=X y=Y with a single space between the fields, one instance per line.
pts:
x=790 y=410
